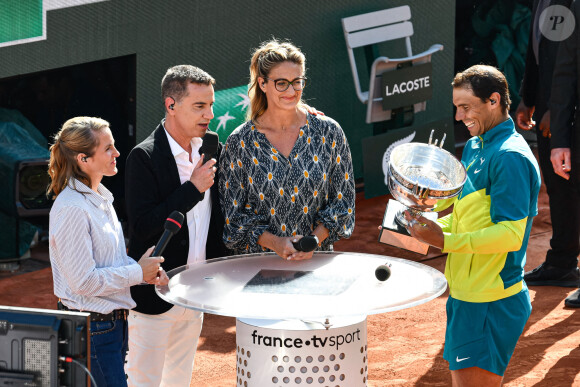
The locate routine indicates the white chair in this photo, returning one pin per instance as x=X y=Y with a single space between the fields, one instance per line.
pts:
x=373 y=28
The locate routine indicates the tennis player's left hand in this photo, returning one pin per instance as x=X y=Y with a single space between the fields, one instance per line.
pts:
x=425 y=230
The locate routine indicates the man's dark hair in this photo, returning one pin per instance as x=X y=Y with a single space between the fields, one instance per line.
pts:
x=483 y=81
x=176 y=79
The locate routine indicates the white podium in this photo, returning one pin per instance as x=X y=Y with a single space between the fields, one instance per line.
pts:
x=295 y=352
x=301 y=323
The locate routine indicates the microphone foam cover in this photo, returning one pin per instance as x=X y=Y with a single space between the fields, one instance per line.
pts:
x=209 y=145
x=174 y=222
x=307 y=243
x=383 y=272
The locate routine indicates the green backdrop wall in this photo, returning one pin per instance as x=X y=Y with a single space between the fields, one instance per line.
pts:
x=218 y=36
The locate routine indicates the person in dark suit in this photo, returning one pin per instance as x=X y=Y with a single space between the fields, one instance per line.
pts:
x=166 y=173
x=565 y=115
x=560 y=266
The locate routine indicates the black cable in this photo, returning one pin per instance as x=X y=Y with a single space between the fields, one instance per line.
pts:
x=71 y=360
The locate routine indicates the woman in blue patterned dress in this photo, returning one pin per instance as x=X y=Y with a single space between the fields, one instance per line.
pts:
x=285 y=173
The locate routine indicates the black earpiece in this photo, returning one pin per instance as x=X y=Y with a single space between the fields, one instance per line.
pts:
x=84 y=159
x=171 y=106
x=492 y=101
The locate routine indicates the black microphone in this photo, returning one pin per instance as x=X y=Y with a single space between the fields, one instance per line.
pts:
x=172 y=225
x=209 y=145
x=383 y=272
x=306 y=244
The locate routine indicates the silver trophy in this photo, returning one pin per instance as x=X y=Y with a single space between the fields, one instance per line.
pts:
x=419 y=176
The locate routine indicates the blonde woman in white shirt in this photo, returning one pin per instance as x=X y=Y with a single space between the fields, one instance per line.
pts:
x=91 y=270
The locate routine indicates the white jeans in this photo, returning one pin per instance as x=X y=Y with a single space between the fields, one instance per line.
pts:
x=162 y=347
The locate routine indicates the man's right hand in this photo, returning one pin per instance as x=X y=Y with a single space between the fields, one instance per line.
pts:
x=524 y=116
x=545 y=125
x=203 y=175
x=561 y=162
x=425 y=230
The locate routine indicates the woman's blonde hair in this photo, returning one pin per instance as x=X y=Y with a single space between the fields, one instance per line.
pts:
x=265 y=58
x=77 y=135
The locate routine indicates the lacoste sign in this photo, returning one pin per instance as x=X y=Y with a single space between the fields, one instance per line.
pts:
x=406 y=86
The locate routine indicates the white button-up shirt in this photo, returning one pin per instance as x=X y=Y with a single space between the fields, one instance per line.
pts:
x=198 y=217
x=90 y=266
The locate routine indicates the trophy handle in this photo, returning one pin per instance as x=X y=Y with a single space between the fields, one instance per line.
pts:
x=435 y=143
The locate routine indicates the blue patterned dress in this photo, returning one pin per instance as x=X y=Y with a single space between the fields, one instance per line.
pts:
x=262 y=190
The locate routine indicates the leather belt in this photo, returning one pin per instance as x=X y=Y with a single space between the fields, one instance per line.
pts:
x=117 y=314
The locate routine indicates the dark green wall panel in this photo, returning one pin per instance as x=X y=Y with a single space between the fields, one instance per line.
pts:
x=218 y=36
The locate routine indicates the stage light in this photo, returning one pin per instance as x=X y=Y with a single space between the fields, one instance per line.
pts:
x=23 y=173
x=23 y=182
x=30 y=196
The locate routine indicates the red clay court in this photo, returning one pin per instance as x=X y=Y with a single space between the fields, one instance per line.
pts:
x=405 y=347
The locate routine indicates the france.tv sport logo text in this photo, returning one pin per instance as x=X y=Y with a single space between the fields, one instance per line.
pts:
x=315 y=341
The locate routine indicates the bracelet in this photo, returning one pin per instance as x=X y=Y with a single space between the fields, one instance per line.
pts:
x=316 y=238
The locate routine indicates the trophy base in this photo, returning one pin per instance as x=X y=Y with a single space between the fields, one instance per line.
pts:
x=395 y=234
x=400 y=216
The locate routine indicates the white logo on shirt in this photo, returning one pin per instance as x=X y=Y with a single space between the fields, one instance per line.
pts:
x=477 y=171
x=457 y=359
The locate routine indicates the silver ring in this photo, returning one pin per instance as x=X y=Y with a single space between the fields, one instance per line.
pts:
x=413 y=222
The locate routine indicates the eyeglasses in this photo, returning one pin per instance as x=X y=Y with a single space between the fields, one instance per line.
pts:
x=282 y=84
